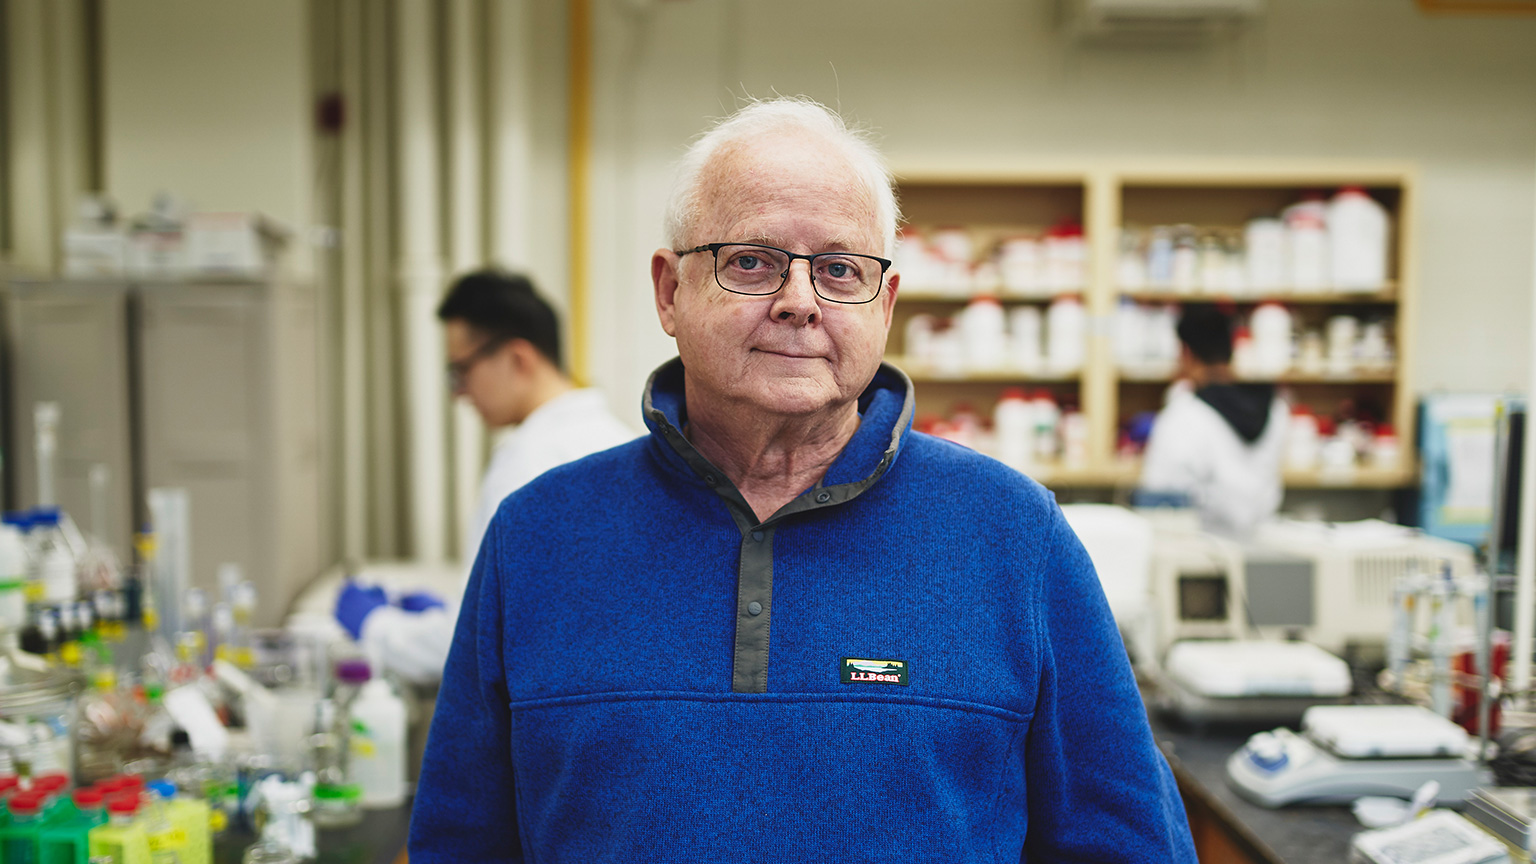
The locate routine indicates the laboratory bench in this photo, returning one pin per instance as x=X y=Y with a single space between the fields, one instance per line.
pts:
x=1229 y=829
x=378 y=839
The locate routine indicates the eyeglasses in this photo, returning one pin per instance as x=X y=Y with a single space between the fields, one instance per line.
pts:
x=754 y=269
x=458 y=370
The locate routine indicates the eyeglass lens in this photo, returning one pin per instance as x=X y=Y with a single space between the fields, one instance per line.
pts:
x=836 y=276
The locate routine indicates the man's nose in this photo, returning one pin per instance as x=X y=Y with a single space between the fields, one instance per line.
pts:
x=797 y=300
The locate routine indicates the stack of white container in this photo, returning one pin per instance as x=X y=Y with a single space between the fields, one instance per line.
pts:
x=1028 y=430
x=952 y=261
x=1342 y=244
x=984 y=337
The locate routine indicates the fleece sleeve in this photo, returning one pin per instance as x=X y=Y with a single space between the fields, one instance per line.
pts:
x=465 y=810
x=1098 y=788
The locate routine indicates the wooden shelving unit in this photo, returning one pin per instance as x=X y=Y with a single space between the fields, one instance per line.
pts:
x=998 y=199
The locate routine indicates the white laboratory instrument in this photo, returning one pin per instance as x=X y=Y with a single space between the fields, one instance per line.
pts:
x=1240 y=680
x=1346 y=751
x=1439 y=837
x=1355 y=567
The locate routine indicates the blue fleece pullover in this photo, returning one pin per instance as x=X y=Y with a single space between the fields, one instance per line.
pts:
x=641 y=672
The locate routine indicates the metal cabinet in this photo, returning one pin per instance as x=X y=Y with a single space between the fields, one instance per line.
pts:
x=209 y=387
x=69 y=344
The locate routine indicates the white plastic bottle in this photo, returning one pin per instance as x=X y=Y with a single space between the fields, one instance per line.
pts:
x=1358 y=240
x=1024 y=326
x=13 y=579
x=1066 y=257
x=1271 y=328
x=1302 y=441
x=952 y=246
x=53 y=562
x=983 y=326
x=1132 y=339
x=919 y=339
x=1343 y=333
x=378 y=746
x=1074 y=439
x=1266 y=255
x=1047 y=418
x=1265 y=239
x=1066 y=332
x=1019 y=260
x=1306 y=226
x=1014 y=425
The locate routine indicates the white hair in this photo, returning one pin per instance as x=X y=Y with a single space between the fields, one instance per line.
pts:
x=764 y=116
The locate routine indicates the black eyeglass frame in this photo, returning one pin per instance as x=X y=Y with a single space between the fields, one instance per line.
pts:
x=458 y=370
x=810 y=260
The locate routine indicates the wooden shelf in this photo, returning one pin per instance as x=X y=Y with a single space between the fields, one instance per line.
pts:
x=1388 y=294
x=1127 y=472
x=920 y=372
x=1105 y=196
x=1360 y=477
x=930 y=295
x=1118 y=475
x=1387 y=376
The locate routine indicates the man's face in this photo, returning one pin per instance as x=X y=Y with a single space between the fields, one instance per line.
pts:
x=485 y=373
x=790 y=353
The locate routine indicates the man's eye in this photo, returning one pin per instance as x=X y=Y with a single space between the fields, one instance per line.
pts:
x=748 y=262
x=840 y=269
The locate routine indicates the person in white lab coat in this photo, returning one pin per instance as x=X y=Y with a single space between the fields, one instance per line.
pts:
x=503 y=347
x=1217 y=441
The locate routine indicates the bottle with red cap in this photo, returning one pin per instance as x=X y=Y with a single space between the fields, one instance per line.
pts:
x=65 y=834
x=1014 y=425
x=18 y=839
x=122 y=838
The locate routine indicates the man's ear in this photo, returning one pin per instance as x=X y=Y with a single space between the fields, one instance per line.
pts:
x=664 y=280
x=888 y=297
x=523 y=354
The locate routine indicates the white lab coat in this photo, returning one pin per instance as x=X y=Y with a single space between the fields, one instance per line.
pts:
x=575 y=424
x=1234 y=485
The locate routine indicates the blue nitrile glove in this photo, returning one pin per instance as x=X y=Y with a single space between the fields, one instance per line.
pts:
x=354 y=603
x=420 y=601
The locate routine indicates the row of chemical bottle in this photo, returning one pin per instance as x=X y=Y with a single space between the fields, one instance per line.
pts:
x=1342 y=244
x=53 y=598
x=950 y=260
x=1028 y=430
x=983 y=337
x=1339 y=442
x=1266 y=342
x=122 y=820
x=1316 y=245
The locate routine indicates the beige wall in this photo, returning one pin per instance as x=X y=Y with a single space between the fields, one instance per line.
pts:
x=209 y=100
x=1359 y=79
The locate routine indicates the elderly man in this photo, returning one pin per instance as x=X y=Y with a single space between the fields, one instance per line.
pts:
x=783 y=626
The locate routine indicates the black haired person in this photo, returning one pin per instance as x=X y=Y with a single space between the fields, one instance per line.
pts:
x=503 y=353
x=1217 y=441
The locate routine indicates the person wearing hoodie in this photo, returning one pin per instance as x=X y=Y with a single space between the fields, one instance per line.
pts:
x=1217 y=441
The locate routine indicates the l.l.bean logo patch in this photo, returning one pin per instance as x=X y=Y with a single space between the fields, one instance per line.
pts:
x=858 y=670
